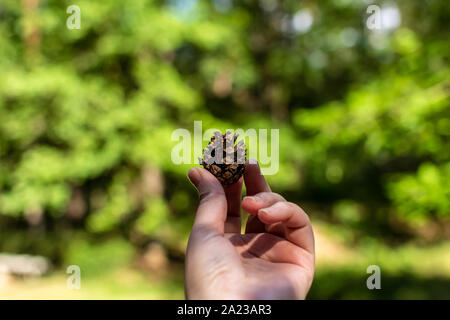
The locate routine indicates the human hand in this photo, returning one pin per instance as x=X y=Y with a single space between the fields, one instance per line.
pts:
x=273 y=259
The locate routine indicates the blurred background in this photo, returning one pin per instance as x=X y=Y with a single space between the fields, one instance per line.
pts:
x=86 y=117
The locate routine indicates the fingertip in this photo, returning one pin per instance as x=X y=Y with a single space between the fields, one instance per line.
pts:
x=252 y=202
x=250 y=199
x=194 y=176
x=250 y=205
x=264 y=215
x=252 y=167
x=254 y=179
x=207 y=182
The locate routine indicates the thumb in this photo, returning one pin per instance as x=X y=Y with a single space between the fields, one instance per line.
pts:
x=212 y=210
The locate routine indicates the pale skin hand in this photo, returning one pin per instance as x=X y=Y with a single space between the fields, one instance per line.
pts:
x=273 y=259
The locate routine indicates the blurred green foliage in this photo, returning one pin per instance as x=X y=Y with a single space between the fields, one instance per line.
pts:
x=109 y=255
x=86 y=115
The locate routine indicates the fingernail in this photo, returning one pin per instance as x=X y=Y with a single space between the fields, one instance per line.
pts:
x=194 y=176
x=252 y=161
x=265 y=211
x=251 y=198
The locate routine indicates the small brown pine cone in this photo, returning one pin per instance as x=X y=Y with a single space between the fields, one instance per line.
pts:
x=224 y=159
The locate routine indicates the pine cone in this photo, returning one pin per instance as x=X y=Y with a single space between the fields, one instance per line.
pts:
x=223 y=158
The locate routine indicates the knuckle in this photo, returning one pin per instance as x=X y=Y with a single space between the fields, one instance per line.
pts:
x=209 y=195
x=201 y=232
x=268 y=196
x=287 y=206
x=295 y=207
